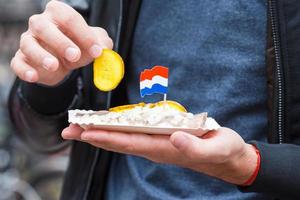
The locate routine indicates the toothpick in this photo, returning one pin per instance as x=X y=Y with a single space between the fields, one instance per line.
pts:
x=165 y=101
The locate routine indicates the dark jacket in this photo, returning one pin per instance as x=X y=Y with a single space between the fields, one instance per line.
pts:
x=40 y=113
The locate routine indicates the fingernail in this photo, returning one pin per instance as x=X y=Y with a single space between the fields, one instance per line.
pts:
x=180 y=140
x=95 y=51
x=29 y=76
x=72 y=54
x=48 y=63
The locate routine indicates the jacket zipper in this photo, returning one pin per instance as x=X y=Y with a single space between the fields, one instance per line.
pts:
x=279 y=69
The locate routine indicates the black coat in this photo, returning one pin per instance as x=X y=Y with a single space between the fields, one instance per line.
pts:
x=40 y=113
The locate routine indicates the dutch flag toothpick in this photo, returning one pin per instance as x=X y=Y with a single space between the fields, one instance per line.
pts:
x=154 y=80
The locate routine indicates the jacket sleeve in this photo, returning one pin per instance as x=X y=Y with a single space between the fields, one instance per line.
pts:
x=39 y=113
x=279 y=173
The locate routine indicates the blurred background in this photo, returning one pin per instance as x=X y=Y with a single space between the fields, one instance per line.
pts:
x=23 y=174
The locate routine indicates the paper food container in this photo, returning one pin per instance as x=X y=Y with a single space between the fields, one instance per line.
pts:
x=88 y=120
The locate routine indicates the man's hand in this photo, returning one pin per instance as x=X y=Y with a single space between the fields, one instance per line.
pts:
x=57 y=42
x=222 y=153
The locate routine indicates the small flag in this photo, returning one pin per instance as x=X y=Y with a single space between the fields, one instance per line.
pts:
x=154 y=80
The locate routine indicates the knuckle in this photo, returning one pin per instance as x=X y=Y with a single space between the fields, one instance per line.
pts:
x=51 y=6
x=23 y=35
x=18 y=53
x=69 y=19
x=33 y=20
x=103 y=34
x=99 y=31
x=63 y=14
x=35 y=24
x=102 y=31
x=89 y=39
x=23 y=42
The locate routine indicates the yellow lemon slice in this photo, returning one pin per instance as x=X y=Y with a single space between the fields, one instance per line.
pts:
x=172 y=104
x=108 y=70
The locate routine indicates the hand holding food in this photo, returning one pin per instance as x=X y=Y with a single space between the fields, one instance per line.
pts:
x=216 y=153
x=57 y=41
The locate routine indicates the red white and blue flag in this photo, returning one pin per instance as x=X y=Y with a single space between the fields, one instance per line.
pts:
x=154 y=80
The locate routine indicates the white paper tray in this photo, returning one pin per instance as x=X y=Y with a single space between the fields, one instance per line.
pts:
x=152 y=130
x=210 y=124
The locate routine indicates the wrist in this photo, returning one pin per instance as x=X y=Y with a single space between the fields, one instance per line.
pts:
x=243 y=169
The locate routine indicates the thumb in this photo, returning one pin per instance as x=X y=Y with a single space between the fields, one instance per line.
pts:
x=72 y=132
x=188 y=144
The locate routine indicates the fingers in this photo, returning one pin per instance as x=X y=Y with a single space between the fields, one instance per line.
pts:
x=29 y=71
x=72 y=132
x=130 y=143
x=74 y=25
x=42 y=29
x=156 y=148
x=179 y=147
x=115 y=141
x=22 y=69
x=36 y=55
x=56 y=42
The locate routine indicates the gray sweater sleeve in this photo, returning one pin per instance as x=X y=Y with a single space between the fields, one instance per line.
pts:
x=279 y=173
